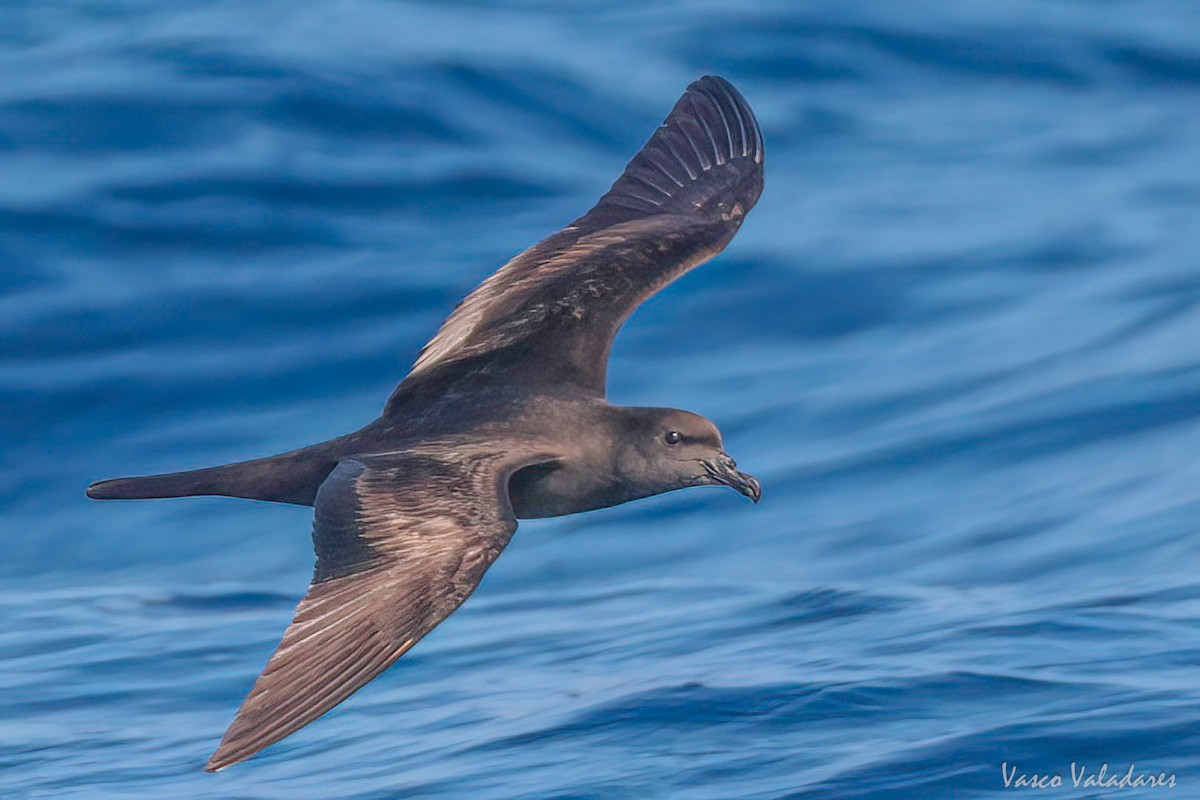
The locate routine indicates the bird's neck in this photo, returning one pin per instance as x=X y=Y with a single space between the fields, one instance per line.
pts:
x=588 y=473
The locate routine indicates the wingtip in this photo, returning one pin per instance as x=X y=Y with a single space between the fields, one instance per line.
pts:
x=233 y=747
x=222 y=758
x=709 y=146
x=716 y=82
x=109 y=489
x=105 y=490
x=728 y=99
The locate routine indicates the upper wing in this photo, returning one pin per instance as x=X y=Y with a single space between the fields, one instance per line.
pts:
x=402 y=540
x=561 y=302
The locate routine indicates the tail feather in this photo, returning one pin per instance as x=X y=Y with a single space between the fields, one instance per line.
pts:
x=288 y=478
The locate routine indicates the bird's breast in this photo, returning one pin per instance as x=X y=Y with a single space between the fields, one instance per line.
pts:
x=555 y=489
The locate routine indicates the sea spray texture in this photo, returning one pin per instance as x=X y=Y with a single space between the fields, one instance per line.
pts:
x=954 y=340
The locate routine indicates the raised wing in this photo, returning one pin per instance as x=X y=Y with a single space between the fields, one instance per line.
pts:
x=402 y=540
x=551 y=312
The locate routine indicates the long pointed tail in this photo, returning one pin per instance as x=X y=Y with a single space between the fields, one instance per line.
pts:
x=288 y=478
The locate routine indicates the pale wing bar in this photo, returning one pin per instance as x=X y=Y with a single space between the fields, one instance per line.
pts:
x=677 y=203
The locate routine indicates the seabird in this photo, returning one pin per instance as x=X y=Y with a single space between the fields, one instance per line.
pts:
x=502 y=417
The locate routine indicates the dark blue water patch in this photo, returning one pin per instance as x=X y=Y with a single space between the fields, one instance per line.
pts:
x=19 y=275
x=1156 y=66
x=1068 y=251
x=1149 y=599
x=1096 y=155
x=553 y=102
x=353 y=111
x=794 y=305
x=1182 y=288
x=854 y=413
x=101 y=125
x=63 y=229
x=223 y=602
x=712 y=713
x=774 y=66
x=1085 y=248
x=778 y=51
x=423 y=197
x=201 y=59
x=262 y=384
x=351 y=105
x=1033 y=631
x=1022 y=441
x=13 y=652
x=1013 y=534
x=218 y=316
x=658 y=712
x=815 y=606
x=1012 y=55
x=807 y=47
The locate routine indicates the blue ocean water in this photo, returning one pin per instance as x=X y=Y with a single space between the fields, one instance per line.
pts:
x=957 y=341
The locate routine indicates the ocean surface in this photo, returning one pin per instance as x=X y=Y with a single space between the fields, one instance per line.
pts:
x=958 y=340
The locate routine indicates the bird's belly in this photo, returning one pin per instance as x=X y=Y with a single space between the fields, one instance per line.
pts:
x=552 y=490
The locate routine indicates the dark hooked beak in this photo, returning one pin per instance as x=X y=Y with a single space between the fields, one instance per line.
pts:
x=724 y=470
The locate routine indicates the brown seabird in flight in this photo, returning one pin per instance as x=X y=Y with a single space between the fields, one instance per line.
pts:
x=502 y=417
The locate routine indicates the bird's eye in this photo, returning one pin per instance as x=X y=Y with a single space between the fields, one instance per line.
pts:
x=673 y=437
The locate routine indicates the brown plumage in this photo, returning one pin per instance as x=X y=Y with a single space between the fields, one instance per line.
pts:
x=503 y=416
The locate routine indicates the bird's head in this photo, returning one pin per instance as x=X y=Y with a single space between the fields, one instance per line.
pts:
x=677 y=449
